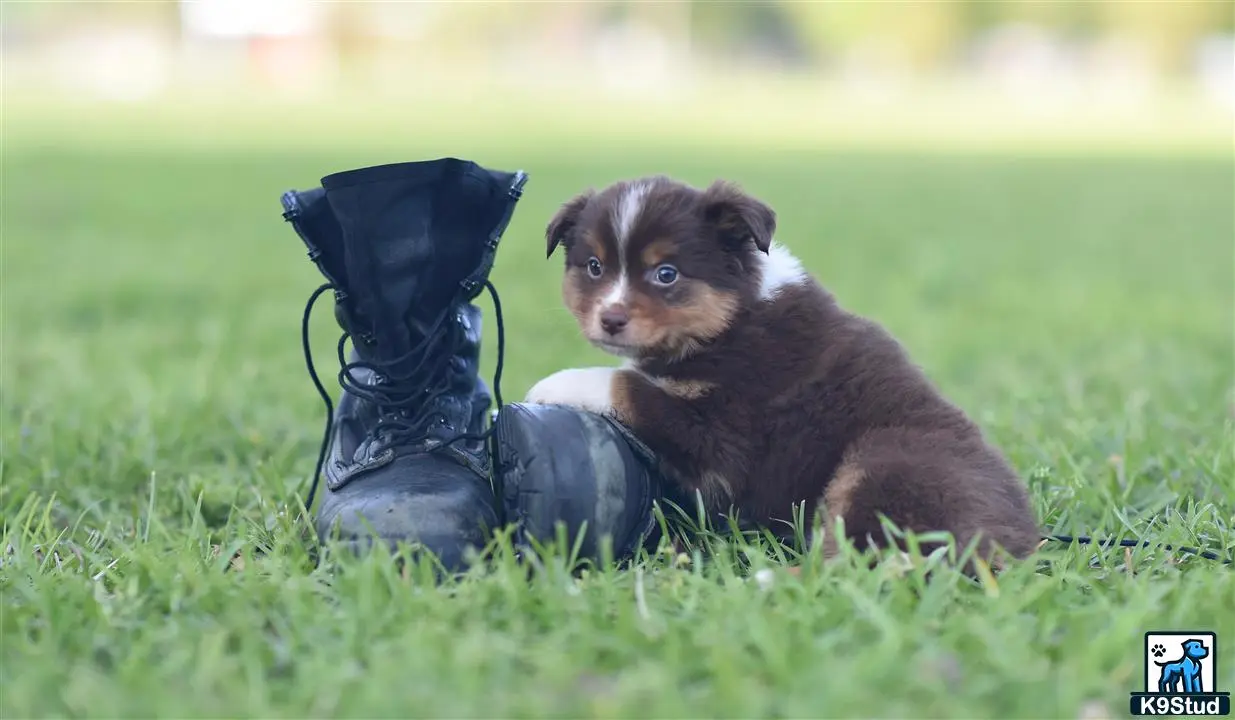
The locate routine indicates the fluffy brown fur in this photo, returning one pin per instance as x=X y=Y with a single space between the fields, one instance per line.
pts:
x=754 y=387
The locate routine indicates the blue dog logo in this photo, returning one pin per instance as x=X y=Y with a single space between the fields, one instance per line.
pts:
x=1185 y=671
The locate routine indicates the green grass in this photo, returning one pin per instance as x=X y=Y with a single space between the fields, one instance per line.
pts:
x=157 y=420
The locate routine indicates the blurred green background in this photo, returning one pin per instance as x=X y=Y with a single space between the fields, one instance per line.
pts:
x=1038 y=199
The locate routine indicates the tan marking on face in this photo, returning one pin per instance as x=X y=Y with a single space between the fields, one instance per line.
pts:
x=574 y=298
x=579 y=289
x=705 y=318
x=657 y=252
x=685 y=327
x=596 y=247
x=662 y=329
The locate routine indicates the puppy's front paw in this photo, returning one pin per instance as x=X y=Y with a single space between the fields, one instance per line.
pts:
x=588 y=389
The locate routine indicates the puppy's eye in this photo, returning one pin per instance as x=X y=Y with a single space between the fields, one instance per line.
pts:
x=666 y=275
x=594 y=268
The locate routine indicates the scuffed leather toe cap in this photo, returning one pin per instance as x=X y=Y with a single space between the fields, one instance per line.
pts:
x=422 y=500
x=562 y=465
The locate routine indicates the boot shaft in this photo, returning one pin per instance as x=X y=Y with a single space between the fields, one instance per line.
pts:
x=310 y=215
x=405 y=248
x=401 y=243
x=418 y=240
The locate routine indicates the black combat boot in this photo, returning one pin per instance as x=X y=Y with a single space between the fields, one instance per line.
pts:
x=406 y=248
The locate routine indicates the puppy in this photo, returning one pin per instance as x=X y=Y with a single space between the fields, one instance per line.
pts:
x=755 y=389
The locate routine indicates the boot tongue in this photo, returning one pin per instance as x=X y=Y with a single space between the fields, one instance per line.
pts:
x=413 y=233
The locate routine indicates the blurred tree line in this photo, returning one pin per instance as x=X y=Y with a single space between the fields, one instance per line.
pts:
x=804 y=33
x=929 y=34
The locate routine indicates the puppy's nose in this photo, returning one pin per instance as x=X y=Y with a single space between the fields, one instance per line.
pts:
x=614 y=319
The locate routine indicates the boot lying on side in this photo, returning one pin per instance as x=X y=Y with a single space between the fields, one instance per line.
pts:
x=408 y=455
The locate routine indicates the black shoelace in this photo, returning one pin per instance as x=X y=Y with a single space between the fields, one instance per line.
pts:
x=406 y=406
x=1111 y=542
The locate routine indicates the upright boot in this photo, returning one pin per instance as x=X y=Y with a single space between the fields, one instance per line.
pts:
x=406 y=248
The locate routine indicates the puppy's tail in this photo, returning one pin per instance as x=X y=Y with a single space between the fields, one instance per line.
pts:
x=1111 y=542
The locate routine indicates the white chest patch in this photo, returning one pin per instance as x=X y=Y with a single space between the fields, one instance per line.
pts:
x=778 y=269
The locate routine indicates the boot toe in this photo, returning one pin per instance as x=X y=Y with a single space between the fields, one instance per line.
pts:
x=562 y=465
x=423 y=500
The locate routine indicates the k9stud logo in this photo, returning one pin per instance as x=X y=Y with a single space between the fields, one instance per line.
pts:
x=1180 y=668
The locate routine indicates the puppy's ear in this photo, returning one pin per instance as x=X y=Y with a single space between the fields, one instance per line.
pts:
x=738 y=217
x=565 y=220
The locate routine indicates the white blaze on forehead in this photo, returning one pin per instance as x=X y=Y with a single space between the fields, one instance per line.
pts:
x=778 y=269
x=625 y=212
x=627 y=209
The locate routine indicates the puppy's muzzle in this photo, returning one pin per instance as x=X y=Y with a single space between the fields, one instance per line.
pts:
x=614 y=319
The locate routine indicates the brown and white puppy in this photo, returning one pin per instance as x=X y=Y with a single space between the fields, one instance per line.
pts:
x=754 y=387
